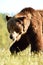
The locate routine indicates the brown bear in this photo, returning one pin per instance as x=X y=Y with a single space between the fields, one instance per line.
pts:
x=24 y=28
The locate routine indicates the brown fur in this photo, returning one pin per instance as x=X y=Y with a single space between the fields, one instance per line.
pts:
x=36 y=21
x=31 y=25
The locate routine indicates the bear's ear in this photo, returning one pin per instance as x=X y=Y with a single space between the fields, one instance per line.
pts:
x=7 y=17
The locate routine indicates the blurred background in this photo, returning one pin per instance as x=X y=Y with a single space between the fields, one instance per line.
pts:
x=14 y=6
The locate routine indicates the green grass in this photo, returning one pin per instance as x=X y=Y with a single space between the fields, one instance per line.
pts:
x=22 y=58
x=4 y=36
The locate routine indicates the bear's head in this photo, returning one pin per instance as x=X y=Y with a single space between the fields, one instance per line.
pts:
x=18 y=25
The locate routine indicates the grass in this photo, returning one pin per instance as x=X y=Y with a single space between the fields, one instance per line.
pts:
x=4 y=39
x=22 y=58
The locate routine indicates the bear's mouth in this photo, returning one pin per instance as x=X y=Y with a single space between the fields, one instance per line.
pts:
x=15 y=36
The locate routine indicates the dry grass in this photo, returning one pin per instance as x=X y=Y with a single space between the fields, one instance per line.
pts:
x=23 y=58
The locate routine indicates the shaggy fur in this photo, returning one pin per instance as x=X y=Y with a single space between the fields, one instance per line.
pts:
x=26 y=27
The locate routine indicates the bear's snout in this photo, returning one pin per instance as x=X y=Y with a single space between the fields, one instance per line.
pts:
x=11 y=37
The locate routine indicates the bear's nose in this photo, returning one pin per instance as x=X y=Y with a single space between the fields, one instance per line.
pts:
x=11 y=37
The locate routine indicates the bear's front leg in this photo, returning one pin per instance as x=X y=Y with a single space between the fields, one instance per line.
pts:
x=14 y=48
